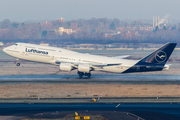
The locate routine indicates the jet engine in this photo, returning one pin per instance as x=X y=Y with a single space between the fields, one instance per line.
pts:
x=65 y=67
x=84 y=68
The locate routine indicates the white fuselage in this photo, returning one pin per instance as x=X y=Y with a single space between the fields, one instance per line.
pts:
x=46 y=54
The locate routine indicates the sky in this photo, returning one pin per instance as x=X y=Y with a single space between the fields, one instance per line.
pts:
x=24 y=10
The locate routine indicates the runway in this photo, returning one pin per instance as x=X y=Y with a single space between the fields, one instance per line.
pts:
x=105 y=78
x=40 y=73
x=147 y=111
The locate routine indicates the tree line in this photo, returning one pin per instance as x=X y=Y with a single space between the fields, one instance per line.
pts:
x=93 y=31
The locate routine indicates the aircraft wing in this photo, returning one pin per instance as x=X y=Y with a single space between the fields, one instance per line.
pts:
x=121 y=57
x=91 y=64
x=103 y=65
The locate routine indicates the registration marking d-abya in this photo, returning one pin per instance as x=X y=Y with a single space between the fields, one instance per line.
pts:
x=36 y=51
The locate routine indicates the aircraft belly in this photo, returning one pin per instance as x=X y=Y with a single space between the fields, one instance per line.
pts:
x=114 y=69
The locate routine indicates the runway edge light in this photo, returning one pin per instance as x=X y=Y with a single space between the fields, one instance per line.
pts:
x=76 y=113
x=94 y=100
x=77 y=118
x=86 y=117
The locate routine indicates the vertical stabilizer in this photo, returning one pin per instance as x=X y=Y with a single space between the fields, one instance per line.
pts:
x=160 y=56
x=154 y=61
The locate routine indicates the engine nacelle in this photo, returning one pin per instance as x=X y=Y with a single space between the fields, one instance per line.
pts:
x=65 y=67
x=84 y=68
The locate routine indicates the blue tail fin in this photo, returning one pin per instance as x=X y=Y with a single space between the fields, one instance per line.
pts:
x=159 y=56
x=154 y=61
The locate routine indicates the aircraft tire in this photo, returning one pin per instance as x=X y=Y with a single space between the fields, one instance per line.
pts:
x=89 y=75
x=18 y=64
x=80 y=76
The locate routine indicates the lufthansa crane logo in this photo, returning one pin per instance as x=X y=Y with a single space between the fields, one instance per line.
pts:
x=161 y=56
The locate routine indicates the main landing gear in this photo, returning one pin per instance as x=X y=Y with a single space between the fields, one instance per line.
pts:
x=83 y=73
x=17 y=63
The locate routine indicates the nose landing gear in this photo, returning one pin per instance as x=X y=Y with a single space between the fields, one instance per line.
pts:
x=84 y=73
x=17 y=63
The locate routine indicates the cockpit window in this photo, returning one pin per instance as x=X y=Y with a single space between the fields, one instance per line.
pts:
x=16 y=44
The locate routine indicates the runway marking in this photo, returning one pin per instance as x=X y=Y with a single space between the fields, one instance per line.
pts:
x=136 y=116
x=118 y=105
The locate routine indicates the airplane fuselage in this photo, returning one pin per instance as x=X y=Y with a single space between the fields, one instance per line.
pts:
x=52 y=55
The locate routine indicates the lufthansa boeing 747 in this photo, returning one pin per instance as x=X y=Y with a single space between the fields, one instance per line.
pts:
x=85 y=63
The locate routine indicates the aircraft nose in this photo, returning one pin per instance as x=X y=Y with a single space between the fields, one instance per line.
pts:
x=4 y=49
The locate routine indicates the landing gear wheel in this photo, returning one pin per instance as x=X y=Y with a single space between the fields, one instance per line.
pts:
x=80 y=74
x=89 y=75
x=18 y=64
x=85 y=74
